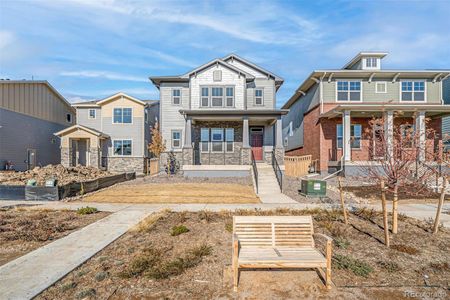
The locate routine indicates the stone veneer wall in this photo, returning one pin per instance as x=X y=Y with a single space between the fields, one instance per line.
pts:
x=126 y=164
x=223 y=158
x=279 y=155
x=246 y=156
x=163 y=159
x=94 y=157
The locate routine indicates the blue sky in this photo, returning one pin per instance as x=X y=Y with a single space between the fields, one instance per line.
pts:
x=89 y=49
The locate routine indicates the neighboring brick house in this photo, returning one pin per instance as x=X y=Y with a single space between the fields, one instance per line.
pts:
x=220 y=113
x=112 y=133
x=30 y=112
x=331 y=109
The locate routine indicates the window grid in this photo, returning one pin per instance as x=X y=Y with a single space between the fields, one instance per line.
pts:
x=92 y=114
x=176 y=96
x=348 y=91
x=413 y=91
x=217 y=96
x=259 y=97
x=176 y=139
x=122 y=147
x=122 y=115
x=355 y=136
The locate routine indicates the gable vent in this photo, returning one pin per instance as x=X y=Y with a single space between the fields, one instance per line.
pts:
x=217 y=75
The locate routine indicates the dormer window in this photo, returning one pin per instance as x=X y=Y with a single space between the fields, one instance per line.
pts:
x=372 y=63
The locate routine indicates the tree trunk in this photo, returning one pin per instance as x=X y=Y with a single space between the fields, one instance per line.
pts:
x=385 y=214
x=440 y=204
x=341 y=192
x=395 y=210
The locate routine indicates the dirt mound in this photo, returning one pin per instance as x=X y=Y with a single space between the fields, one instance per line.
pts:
x=62 y=174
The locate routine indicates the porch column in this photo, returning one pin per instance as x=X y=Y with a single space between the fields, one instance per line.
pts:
x=389 y=133
x=420 y=128
x=279 y=133
x=245 y=133
x=346 y=140
x=188 y=133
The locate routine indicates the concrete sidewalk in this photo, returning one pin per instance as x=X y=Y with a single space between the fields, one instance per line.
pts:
x=29 y=275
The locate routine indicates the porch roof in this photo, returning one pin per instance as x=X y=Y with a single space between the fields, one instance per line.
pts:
x=79 y=127
x=430 y=109
x=234 y=112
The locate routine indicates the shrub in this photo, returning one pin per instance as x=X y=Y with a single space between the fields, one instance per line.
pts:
x=358 y=267
x=390 y=266
x=87 y=210
x=86 y=293
x=68 y=286
x=405 y=249
x=229 y=227
x=177 y=230
x=100 y=276
x=341 y=242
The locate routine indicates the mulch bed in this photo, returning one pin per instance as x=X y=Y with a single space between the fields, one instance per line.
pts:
x=156 y=261
x=22 y=231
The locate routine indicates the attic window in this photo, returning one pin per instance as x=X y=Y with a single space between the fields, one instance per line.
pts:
x=371 y=62
x=217 y=75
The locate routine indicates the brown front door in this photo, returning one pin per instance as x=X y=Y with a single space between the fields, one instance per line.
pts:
x=256 y=142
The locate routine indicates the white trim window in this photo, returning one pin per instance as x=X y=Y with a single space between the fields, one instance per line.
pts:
x=229 y=139
x=371 y=62
x=92 y=114
x=122 y=147
x=204 y=140
x=229 y=99
x=204 y=100
x=413 y=91
x=355 y=136
x=216 y=139
x=381 y=87
x=176 y=139
x=176 y=96
x=217 y=97
x=122 y=115
x=348 y=91
x=259 y=96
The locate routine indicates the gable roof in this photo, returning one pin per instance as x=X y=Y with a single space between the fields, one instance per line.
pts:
x=253 y=66
x=97 y=103
x=83 y=128
x=156 y=80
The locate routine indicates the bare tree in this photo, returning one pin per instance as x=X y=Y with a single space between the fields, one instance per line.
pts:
x=400 y=155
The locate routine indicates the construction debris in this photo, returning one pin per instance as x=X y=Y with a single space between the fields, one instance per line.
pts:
x=60 y=173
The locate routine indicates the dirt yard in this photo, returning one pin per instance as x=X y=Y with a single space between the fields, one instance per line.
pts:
x=163 y=189
x=60 y=173
x=188 y=256
x=22 y=231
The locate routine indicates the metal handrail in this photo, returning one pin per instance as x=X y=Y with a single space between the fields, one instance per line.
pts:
x=277 y=170
x=255 y=171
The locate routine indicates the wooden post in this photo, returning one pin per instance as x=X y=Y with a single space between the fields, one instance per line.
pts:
x=395 y=210
x=440 y=204
x=341 y=192
x=385 y=214
x=328 y=271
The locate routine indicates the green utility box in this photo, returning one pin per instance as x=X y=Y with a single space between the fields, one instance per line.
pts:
x=313 y=188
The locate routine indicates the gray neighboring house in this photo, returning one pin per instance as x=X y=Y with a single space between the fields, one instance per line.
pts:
x=111 y=133
x=30 y=112
x=446 y=120
x=219 y=117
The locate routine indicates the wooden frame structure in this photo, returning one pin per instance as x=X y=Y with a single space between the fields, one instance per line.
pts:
x=278 y=242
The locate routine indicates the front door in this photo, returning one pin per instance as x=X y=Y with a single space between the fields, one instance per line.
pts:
x=31 y=159
x=256 y=142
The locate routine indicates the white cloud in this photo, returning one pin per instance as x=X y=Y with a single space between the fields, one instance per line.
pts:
x=103 y=74
x=7 y=38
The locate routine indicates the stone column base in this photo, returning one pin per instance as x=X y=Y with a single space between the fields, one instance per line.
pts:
x=246 y=156
x=66 y=156
x=94 y=157
x=188 y=156
x=279 y=156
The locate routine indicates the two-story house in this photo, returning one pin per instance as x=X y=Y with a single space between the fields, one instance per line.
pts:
x=221 y=114
x=330 y=111
x=111 y=133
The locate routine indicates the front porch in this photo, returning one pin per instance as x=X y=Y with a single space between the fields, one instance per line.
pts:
x=350 y=142
x=231 y=137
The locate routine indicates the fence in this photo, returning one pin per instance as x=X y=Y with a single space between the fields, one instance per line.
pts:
x=151 y=166
x=296 y=166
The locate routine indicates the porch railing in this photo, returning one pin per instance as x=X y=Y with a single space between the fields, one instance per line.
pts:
x=277 y=170
x=255 y=172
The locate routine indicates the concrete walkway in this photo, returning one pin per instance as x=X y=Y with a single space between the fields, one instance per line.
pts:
x=29 y=275
x=268 y=188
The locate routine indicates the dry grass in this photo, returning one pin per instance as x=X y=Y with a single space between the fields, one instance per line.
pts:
x=177 y=193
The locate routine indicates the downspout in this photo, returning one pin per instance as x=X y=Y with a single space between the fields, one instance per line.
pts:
x=342 y=157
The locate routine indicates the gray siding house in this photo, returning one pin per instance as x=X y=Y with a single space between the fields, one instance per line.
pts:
x=112 y=133
x=221 y=114
x=30 y=112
